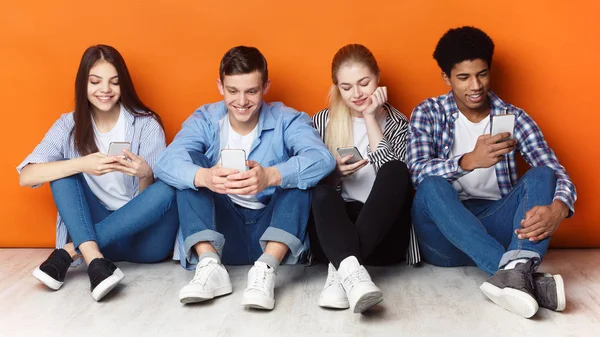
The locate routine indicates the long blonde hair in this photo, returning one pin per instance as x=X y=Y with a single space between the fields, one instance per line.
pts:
x=339 y=129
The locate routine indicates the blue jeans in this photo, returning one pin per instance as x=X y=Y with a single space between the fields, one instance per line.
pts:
x=206 y=216
x=479 y=232
x=141 y=231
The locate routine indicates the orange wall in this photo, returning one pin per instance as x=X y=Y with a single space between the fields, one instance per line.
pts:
x=546 y=62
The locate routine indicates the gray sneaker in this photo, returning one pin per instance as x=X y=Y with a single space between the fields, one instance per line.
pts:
x=513 y=290
x=550 y=291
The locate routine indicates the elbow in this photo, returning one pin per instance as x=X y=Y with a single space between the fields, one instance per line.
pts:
x=24 y=181
x=330 y=162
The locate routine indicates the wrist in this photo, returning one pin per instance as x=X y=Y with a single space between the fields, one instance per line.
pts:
x=77 y=165
x=466 y=163
x=369 y=115
x=147 y=176
x=200 y=177
x=560 y=207
x=273 y=176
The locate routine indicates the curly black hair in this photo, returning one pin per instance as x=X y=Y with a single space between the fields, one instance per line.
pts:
x=463 y=44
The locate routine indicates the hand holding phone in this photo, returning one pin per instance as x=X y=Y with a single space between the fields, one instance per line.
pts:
x=490 y=149
x=353 y=164
x=350 y=150
x=116 y=148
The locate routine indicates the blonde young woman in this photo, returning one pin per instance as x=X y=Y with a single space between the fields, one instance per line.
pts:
x=362 y=210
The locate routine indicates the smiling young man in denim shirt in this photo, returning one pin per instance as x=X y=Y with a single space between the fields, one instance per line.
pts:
x=470 y=207
x=258 y=216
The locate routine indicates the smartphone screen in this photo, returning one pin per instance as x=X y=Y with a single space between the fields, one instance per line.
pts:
x=116 y=148
x=350 y=150
x=503 y=123
x=234 y=159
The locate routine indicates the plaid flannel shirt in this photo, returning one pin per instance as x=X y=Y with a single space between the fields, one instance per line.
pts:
x=431 y=134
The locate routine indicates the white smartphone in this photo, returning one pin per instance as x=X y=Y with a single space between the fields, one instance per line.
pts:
x=116 y=148
x=234 y=159
x=350 y=150
x=503 y=123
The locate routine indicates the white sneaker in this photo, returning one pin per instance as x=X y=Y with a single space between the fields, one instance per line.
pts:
x=261 y=287
x=211 y=280
x=361 y=291
x=333 y=294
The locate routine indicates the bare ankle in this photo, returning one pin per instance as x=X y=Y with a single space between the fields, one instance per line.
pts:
x=70 y=248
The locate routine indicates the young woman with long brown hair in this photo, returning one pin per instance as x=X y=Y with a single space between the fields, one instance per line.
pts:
x=109 y=206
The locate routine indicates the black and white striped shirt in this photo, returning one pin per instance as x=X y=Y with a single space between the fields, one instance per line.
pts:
x=391 y=147
x=393 y=144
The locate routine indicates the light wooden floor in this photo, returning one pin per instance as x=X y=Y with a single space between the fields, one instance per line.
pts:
x=425 y=301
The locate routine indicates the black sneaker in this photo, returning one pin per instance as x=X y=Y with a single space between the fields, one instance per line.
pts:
x=550 y=291
x=52 y=271
x=104 y=276
x=512 y=289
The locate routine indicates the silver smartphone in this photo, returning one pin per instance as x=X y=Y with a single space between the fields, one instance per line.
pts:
x=350 y=150
x=116 y=148
x=234 y=159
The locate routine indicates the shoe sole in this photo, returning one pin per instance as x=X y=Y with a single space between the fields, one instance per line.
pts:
x=510 y=299
x=46 y=279
x=107 y=285
x=186 y=297
x=560 y=293
x=367 y=300
x=259 y=303
x=334 y=304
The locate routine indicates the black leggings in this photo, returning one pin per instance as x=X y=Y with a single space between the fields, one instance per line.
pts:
x=376 y=232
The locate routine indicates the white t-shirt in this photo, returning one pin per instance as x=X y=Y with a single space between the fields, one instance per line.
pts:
x=109 y=188
x=358 y=186
x=482 y=183
x=237 y=141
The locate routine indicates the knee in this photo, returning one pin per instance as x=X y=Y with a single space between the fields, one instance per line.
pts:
x=394 y=175
x=394 y=168
x=543 y=174
x=432 y=190
x=432 y=185
x=163 y=189
x=64 y=181
x=320 y=194
x=199 y=158
x=300 y=198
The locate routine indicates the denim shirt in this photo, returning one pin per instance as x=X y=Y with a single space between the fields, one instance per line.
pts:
x=285 y=140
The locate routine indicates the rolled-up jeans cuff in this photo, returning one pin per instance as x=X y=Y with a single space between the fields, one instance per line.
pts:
x=517 y=254
x=216 y=239
x=279 y=235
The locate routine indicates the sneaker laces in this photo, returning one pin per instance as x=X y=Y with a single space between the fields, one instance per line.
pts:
x=259 y=282
x=203 y=271
x=359 y=276
x=333 y=277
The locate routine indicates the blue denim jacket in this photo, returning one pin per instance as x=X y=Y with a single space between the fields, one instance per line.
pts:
x=285 y=139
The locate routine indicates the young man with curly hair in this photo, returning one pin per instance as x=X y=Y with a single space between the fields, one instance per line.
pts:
x=470 y=208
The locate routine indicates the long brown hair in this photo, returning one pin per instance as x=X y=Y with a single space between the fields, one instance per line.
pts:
x=339 y=128
x=83 y=132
